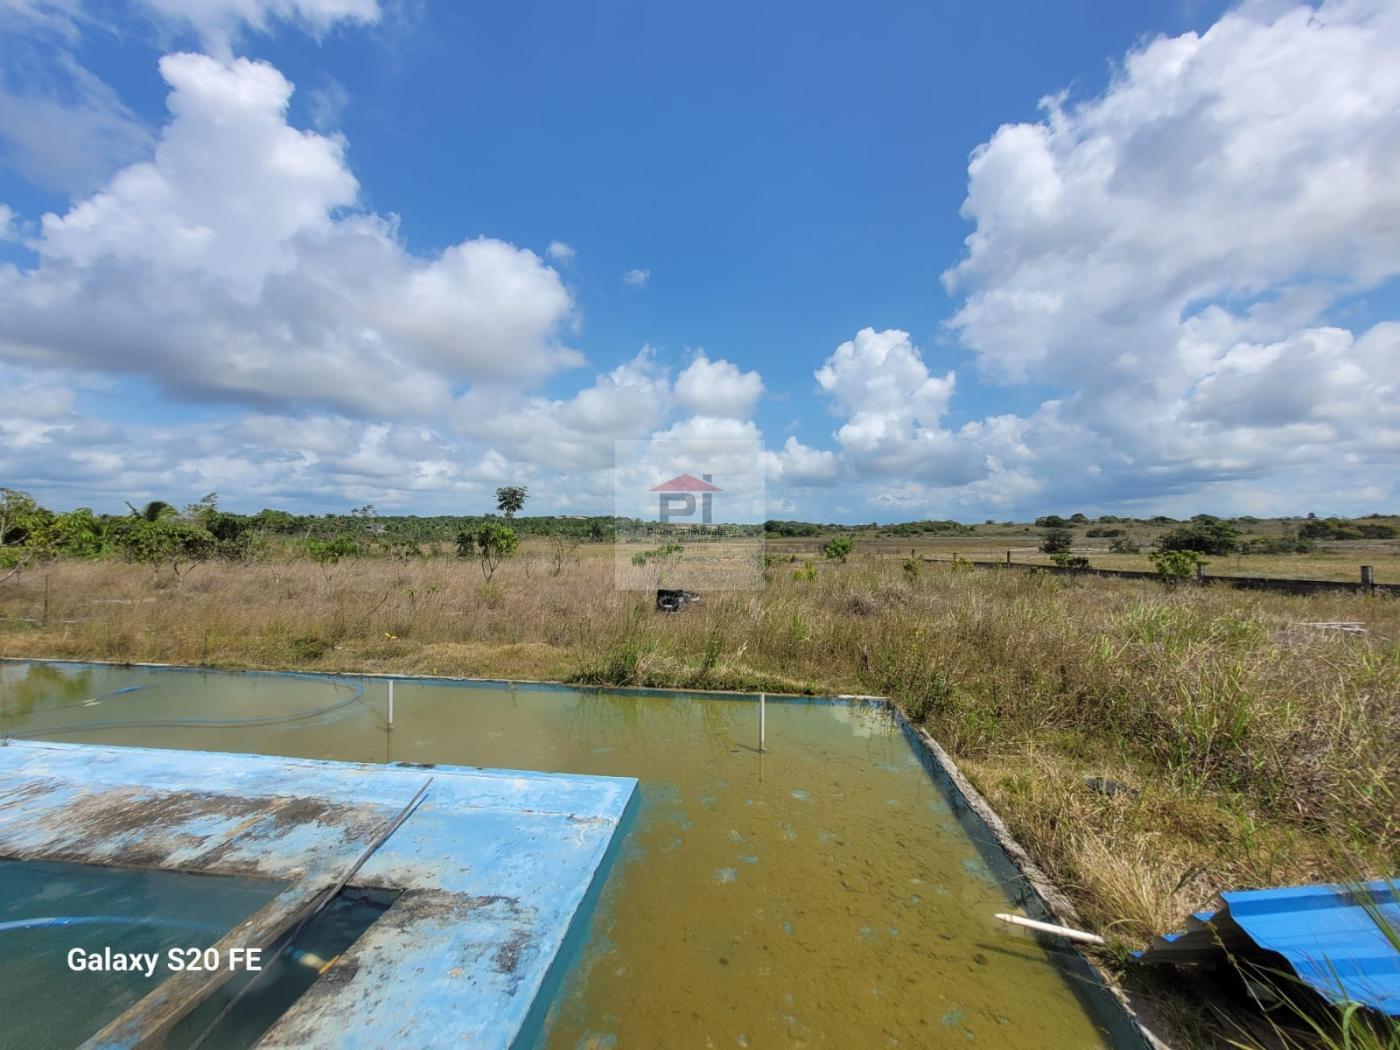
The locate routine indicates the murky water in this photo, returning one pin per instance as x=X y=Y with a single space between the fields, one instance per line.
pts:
x=50 y=910
x=822 y=894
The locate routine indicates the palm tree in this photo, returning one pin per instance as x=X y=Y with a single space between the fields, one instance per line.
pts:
x=156 y=510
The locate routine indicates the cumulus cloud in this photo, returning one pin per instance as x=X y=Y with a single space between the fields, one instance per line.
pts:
x=800 y=465
x=577 y=433
x=893 y=405
x=235 y=265
x=1166 y=253
x=636 y=278
x=560 y=252
x=718 y=388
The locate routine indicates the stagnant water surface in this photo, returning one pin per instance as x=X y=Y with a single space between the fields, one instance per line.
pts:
x=822 y=894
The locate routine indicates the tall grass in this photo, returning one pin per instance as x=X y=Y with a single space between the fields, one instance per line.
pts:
x=1262 y=751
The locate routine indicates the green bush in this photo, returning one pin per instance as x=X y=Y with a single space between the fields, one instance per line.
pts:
x=1056 y=540
x=1173 y=566
x=838 y=548
x=1204 y=535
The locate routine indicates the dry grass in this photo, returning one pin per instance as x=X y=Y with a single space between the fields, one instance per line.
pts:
x=1264 y=752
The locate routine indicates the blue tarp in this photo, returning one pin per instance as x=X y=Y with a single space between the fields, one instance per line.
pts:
x=1332 y=937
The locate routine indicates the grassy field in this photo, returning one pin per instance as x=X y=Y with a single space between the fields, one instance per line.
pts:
x=1264 y=752
x=1331 y=560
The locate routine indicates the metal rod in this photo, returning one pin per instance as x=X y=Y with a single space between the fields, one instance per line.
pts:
x=762 y=719
x=1049 y=927
x=391 y=705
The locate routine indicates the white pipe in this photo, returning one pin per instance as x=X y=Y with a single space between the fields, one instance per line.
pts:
x=1048 y=927
x=391 y=704
x=762 y=720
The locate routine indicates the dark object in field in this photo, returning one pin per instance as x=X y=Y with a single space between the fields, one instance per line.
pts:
x=1104 y=786
x=674 y=601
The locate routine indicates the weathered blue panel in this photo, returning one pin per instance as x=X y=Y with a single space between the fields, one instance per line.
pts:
x=493 y=869
x=1331 y=939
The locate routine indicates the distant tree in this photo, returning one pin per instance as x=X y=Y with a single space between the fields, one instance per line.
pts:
x=511 y=498
x=1051 y=521
x=838 y=548
x=78 y=533
x=154 y=511
x=491 y=543
x=1056 y=540
x=164 y=541
x=1078 y=519
x=563 y=548
x=23 y=528
x=1204 y=535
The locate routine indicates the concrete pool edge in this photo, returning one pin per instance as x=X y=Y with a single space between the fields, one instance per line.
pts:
x=492 y=930
x=1096 y=988
x=1043 y=898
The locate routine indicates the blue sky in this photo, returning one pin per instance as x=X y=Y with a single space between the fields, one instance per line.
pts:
x=1182 y=281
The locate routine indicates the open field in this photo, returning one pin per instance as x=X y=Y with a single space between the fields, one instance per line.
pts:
x=1332 y=560
x=1265 y=752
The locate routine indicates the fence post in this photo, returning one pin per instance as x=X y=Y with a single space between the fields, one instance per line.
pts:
x=1200 y=572
x=1368 y=579
x=1008 y=559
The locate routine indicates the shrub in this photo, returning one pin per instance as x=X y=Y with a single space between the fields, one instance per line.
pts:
x=911 y=569
x=1204 y=535
x=1103 y=533
x=1124 y=545
x=1056 y=540
x=492 y=543
x=806 y=574
x=1173 y=566
x=1070 y=561
x=838 y=548
x=1276 y=545
x=1051 y=521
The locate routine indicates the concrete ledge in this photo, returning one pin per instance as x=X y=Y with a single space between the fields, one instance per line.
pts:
x=493 y=870
x=1039 y=896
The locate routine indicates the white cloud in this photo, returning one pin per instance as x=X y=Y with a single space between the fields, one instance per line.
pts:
x=636 y=278
x=880 y=382
x=328 y=103
x=234 y=265
x=718 y=388
x=800 y=465
x=1166 y=253
x=560 y=252
x=219 y=23
x=60 y=126
x=576 y=433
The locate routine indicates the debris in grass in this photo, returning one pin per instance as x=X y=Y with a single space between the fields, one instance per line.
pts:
x=1111 y=788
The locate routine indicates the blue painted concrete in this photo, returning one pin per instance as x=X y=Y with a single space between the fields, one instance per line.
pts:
x=1330 y=939
x=495 y=870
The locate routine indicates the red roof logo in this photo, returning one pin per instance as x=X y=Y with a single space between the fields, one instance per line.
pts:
x=685 y=483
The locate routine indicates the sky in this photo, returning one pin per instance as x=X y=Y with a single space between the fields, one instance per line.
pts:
x=872 y=262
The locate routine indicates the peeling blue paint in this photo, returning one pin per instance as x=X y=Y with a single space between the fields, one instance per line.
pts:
x=495 y=871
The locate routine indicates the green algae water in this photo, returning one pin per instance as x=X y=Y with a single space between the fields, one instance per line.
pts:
x=48 y=910
x=821 y=894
